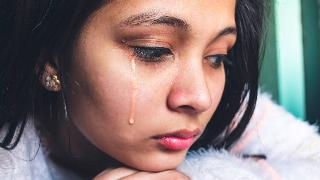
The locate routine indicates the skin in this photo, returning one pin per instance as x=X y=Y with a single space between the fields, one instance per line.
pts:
x=180 y=91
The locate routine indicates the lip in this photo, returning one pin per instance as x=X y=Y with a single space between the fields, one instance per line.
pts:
x=178 y=140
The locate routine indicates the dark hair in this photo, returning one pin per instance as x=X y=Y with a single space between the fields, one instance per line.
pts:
x=31 y=29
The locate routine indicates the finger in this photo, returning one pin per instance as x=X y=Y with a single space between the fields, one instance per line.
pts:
x=115 y=174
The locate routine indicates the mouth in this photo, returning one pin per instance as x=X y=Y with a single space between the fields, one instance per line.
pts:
x=178 y=140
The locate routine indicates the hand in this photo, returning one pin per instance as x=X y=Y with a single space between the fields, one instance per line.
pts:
x=130 y=174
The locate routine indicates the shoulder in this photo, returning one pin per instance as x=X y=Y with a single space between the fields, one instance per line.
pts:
x=276 y=132
x=26 y=161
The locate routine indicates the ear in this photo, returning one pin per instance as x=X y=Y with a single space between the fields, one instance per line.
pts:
x=50 y=78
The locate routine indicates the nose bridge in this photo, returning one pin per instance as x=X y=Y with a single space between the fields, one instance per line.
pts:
x=192 y=79
x=190 y=90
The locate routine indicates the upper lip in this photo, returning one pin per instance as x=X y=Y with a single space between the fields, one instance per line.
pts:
x=183 y=133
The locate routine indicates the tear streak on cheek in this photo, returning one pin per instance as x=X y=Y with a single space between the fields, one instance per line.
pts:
x=134 y=92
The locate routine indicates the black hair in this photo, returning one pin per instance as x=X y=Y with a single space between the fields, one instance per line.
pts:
x=31 y=29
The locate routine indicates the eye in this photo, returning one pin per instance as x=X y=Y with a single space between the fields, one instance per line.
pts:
x=216 y=61
x=152 y=54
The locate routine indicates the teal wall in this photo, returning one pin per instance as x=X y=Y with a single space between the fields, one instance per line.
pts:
x=291 y=67
x=311 y=42
x=269 y=72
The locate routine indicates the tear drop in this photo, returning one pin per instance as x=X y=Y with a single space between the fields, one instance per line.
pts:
x=134 y=92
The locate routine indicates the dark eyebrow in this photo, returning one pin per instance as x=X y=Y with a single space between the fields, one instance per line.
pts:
x=231 y=30
x=152 y=18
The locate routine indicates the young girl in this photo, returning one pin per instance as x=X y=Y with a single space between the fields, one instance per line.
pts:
x=124 y=89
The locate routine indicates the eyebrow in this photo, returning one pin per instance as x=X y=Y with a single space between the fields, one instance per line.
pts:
x=230 y=30
x=154 y=18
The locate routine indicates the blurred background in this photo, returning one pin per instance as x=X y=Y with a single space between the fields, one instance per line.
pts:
x=291 y=67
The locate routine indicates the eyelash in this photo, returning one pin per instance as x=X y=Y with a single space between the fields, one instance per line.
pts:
x=152 y=54
x=219 y=59
x=157 y=55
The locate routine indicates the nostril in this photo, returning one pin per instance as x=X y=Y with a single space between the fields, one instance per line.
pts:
x=187 y=108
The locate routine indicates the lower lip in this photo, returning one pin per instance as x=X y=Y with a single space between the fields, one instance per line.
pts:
x=175 y=143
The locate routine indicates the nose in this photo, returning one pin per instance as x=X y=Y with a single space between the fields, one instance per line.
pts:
x=189 y=92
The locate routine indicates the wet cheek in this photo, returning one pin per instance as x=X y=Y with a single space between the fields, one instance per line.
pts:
x=107 y=127
x=100 y=105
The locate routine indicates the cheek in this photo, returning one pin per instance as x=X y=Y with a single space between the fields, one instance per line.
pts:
x=216 y=84
x=104 y=118
x=153 y=87
x=219 y=86
x=99 y=94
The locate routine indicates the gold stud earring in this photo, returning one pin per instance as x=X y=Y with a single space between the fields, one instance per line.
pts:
x=52 y=83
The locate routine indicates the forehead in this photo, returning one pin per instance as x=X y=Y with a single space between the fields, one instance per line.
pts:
x=197 y=13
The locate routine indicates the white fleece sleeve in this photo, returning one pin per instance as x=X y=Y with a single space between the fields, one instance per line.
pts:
x=211 y=164
x=292 y=146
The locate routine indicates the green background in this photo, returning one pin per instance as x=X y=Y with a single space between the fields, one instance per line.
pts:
x=291 y=67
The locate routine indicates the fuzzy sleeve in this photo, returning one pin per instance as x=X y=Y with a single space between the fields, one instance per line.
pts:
x=211 y=164
x=291 y=145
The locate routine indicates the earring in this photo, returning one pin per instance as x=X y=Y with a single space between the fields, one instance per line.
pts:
x=52 y=83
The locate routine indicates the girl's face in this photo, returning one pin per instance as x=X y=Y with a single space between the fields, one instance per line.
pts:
x=147 y=75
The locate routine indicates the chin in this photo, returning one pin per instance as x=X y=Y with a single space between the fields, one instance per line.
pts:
x=158 y=163
x=157 y=167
